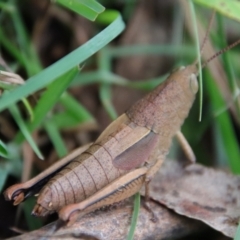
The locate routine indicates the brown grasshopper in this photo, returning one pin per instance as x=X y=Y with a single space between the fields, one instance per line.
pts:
x=125 y=156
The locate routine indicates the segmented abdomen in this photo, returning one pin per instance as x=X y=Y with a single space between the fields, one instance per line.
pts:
x=81 y=178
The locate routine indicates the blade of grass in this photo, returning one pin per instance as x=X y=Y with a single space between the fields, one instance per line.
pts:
x=107 y=16
x=65 y=120
x=227 y=61
x=75 y=109
x=111 y=78
x=193 y=13
x=134 y=216
x=51 y=73
x=105 y=97
x=28 y=108
x=89 y=9
x=31 y=65
x=129 y=8
x=6 y=7
x=3 y=150
x=12 y=166
x=230 y=9
x=12 y=49
x=237 y=234
x=185 y=51
x=3 y=176
x=104 y=64
x=56 y=138
x=21 y=33
x=148 y=85
x=18 y=118
x=94 y=5
x=49 y=99
x=51 y=96
x=227 y=132
x=99 y=77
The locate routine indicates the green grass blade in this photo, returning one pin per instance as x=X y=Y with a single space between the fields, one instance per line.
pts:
x=75 y=109
x=21 y=33
x=227 y=63
x=185 y=51
x=237 y=235
x=193 y=13
x=54 y=71
x=28 y=108
x=105 y=88
x=89 y=9
x=9 y=167
x=49 y=99
x=3 y=177
x=107 y=16
x=137 y=199
x=99 y=77
x=3 y=150
x=105 y=96
x=111 y=78
x=56 y=138
x=148 y=85
x=11 y=49
x=230 y=8
x=51 y=96
x=65 y=120
x=6 y=7
x=86 y=78
x=227 y=132
x=94 y=5
x=33 y=223
x=18 y=118
x=24 y=43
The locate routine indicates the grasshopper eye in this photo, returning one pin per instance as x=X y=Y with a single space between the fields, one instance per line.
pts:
x=193 y=83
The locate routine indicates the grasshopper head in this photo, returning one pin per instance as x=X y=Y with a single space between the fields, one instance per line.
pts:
x=186 y=78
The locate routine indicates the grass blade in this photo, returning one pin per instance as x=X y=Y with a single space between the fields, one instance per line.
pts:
x=3 y=176
x=105 y=96
x=230 y=9
x=75 y=109
x=137 y=199
x=3 y=150
x=193 y=13
x=49 y=99
x=227 y=132
x=237 y=235
x=89 y=9
x=18 y=118
x=56 y=138
x=56 y=70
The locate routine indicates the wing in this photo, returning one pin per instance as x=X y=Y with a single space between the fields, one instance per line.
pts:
x=128 y=144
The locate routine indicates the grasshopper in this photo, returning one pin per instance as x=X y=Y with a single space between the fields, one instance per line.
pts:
x=123 y=158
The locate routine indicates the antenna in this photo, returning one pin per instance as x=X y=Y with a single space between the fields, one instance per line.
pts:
x=220 y=52
x=207 y=32
x=206 y=35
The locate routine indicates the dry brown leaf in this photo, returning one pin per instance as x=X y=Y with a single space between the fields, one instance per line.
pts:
x=198 y=192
